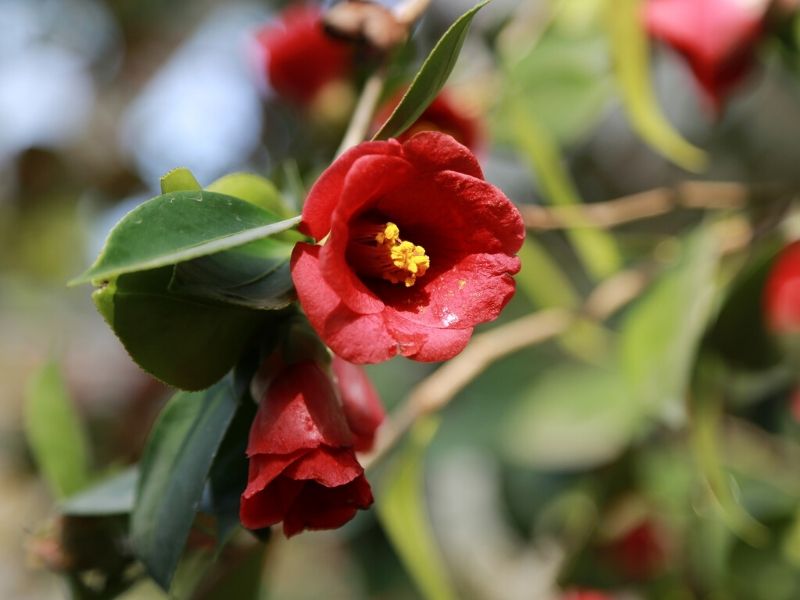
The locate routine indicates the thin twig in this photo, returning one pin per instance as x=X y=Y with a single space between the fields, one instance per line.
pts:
x=363 y=113
x=702 y=195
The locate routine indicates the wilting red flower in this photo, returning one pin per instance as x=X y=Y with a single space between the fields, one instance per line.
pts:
x=584 y=594
x=421 y=249
x=303 y=469
x=361 y=403
x=782 y=292
x=301 y=57
x=717 y=37
x=443 y=114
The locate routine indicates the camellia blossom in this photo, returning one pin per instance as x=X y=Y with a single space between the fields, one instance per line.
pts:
x=301 y=57
x=717 y=37
x=443 y=114
x=303 y=469
x=362 y=405
x=419 y=249
x=782 y=292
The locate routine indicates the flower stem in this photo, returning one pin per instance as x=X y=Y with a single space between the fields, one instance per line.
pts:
x=365 y=109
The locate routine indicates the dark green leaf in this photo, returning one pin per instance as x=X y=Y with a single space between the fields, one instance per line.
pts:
x=179 y=180
x=174 y=468
x=402 y=512
x=430 y=78
x=112 y=496
x=181 y=226
x=55 y=433
x=184 y=341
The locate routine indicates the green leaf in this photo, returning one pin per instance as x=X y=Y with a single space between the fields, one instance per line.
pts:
x=174 y=470
x=631 y=55
x=184 y=341
x=431 y=77
x=661 y=333
x=254 y=276
x=181 y=226
x=55 y=433
x=112 y=496
x=179 y=180
x=596 y=248
x=401 y=509
x=572 y=417
x=254 y=189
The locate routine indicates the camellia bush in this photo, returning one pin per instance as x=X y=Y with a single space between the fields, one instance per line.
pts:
x=634 y=408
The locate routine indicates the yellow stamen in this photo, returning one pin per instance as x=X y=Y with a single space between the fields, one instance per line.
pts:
x=389 y=257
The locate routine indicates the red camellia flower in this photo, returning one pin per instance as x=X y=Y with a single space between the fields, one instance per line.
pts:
x=301 y=57
x=303 y=469
x=782 y=292
x=443 y=114
x=717 y=37
x=419 y=250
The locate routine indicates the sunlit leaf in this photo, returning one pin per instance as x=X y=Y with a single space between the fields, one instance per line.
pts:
x=431 y=77
x=401 y=509
x=254 y=189
x=174 y=470
x=631 y=55
x=181 y=226
x=55 y=433
x=179 y=180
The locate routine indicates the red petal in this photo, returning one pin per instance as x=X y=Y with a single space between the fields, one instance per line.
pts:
x=320 y=507
x=264 y=468
x=357 y=338
x=326 y=192
x=427 y=344
x=299 y=410
x=436 y=151
x=362 y=406
x=330 y=467
x=269 y=506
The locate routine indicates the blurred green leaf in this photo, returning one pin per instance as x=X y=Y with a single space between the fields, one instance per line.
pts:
x=254 y=189
x=184 y=341
x=179 y=180
x=631 y=55
x=431 y=77
x=661 y=333
x=174 y=468
x=402 y=512
x=596 y=249
x=573 y=417
x=55 y=432
x=181 y=226
x=111 y=496
x=542 y=280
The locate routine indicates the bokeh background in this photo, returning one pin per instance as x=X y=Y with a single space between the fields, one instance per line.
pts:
x=535 y=473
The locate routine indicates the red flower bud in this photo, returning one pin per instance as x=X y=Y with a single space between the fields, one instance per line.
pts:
x=303 y=468
x=443 y=114
x=420 y=250
x=717 y=37
x=301 y=57
x=362 y=406
x=782 y=292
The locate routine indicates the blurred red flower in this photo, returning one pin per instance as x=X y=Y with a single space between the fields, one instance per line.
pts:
x=642 y=551
x=584 y=594
x=443 y=114
x=303 y=469
x=371 y=292
x=782 y=292
x=361 y=403
x=717 y=37
x=301 y=57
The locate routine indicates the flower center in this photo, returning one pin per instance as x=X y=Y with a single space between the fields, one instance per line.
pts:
x=381 y=253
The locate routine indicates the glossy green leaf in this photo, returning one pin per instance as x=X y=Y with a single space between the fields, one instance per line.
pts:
x=174 y=469
x=596 y=248
x=184 y=341
x=431 y=77
x=254 y=276
x=179 y=180
x=112 y=496
x=55 y=433
x=631 y=55
x=181 y=226
x=254 y=189
x=661 y=333
x=572 y=417
x=402 y=512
